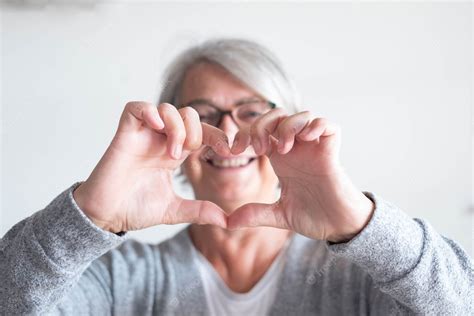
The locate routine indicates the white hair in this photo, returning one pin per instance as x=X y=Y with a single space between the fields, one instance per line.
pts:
x=248 y=61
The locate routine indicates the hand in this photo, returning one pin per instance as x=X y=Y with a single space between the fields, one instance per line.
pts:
x=131 y=186
x=317 y=198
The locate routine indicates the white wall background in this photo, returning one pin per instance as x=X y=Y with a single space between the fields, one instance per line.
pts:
x=397 y=77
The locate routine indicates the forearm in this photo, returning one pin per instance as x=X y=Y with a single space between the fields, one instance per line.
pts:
x=42 y=256
x=411 y=262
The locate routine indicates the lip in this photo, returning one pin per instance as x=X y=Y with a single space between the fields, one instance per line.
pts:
x=231 y=169
x=208 y=154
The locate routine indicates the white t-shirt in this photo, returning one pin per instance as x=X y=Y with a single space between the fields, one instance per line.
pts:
x=222 y=301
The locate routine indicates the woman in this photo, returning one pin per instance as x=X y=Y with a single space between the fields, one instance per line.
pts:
x=319 y=246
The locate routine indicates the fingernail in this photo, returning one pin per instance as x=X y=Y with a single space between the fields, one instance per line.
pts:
x=235 y=143
x=177 y=152
x=220 y=146
x=257 y=146
x=281 y=146
x=305 y=132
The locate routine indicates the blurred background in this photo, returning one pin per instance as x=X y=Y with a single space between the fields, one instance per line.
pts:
x=397 y=76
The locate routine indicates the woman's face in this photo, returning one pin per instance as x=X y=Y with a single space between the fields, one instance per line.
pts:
x=213 y=177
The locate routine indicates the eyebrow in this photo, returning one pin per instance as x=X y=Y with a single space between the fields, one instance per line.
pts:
x=199 y=101
x=207 y=101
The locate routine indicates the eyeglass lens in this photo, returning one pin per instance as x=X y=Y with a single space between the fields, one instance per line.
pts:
x=244 y=114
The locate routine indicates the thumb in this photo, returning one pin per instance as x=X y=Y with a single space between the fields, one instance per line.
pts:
x=257 y=214
x=198 y=212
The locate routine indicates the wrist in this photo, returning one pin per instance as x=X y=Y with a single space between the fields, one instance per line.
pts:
x=83 y=201
x=350 y=231
x=365 y=210
x=348 y=209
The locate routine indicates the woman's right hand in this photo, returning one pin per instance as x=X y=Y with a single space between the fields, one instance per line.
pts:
x=131 y=186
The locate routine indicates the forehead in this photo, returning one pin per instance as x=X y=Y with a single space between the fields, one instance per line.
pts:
x=212 y=82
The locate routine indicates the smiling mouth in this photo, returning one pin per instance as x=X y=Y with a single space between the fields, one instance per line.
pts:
x=230 y=163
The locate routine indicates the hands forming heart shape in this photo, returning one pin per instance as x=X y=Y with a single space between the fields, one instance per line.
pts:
x=131 y=186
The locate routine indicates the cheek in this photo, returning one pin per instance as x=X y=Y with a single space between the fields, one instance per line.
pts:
x=264 y=177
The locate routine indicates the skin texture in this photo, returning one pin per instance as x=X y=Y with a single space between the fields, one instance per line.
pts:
x=242 y=256
x=239 y=222
x=229 y=190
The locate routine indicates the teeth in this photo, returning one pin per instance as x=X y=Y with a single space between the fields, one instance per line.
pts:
x=230 y=163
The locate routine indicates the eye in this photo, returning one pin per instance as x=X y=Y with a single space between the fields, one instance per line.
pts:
x=206 y=113
x=252 y=110
x=248 y=114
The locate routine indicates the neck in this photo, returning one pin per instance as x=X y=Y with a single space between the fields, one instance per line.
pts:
x=240 y=257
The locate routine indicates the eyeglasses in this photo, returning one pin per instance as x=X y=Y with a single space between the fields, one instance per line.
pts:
x=244 y=114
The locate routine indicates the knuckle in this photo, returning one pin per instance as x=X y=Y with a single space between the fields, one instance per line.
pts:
x=274 y=113
x=285 y=126
x=188 y=113
x=267 y=131
x=254 y=130
x=178 y=135
x=193 y=140
x=279 y=110
x=220 y=141
x=132 y=106
x=192 y=144
x=303 y=114
x=321 y=121
x=166 y=107
x=258 y=129
x=137 y=104
x=188 y=110
x=292 y=129
x=286 y=133
x=271 y=113
x=146 y=108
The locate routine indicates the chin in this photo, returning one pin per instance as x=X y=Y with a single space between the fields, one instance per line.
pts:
x=232 y=186
x=232 y=192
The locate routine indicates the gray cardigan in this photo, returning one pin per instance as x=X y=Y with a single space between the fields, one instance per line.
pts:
x=58 y=262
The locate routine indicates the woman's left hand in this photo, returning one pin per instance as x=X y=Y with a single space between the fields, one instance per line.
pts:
x=317 y=199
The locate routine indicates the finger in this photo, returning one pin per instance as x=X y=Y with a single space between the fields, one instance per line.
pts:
x=265 y=126
x=317 y=128
x=241 y=141
x=193 y=128
x=257 y=214
x=137 y=112
x=174 y=128
x=216 y=139
x=289 y=128
x=198 y=212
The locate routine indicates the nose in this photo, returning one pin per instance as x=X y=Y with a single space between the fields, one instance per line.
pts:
x=229 y=127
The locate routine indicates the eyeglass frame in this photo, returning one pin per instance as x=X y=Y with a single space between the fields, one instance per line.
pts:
x=230 y=112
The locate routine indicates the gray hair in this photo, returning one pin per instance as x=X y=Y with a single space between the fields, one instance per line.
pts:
x=248 y=61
